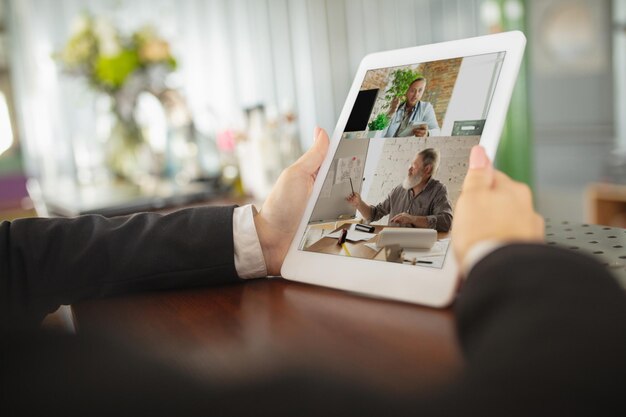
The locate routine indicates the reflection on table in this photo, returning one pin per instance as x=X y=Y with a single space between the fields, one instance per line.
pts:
x=119 y=198
x=265 y=327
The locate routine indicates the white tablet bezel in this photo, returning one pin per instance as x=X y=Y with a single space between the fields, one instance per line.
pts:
x=421 y=285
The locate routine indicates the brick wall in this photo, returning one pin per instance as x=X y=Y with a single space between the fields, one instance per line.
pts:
x=376 y=79
x=440 y=77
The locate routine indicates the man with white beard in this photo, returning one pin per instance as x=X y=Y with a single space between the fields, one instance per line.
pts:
x=420 y=201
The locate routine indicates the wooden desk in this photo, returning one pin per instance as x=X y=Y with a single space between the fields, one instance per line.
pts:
x=357 y=249
x=263 y=326
x=606 y=204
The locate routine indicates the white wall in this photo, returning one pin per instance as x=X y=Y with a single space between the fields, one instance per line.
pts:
x=374 y=153
x=619 y=69
x=473 y=90
x=572 y=94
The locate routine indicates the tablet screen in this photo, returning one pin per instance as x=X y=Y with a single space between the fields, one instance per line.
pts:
x=397 y=172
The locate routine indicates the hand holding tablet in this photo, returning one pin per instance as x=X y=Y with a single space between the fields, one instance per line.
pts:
x=281 y=213
x=492 y=195
x=380 y=187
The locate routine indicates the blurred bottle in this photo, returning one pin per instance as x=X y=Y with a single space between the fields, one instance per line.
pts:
x=190 y=154
x=615 y=167
x=227 y=140
x=204 y=126
x=257 y=154
x=272 y=156
x=289 y=140
x=180 y=157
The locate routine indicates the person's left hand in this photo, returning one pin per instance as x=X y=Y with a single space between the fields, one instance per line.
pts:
x=490 y=194
x=277 y=221
x=403 y=218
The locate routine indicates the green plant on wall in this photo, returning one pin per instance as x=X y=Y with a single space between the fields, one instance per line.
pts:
x=401 y=80
x=380 y=122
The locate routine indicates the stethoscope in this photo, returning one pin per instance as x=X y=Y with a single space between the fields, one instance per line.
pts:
x=411 y=118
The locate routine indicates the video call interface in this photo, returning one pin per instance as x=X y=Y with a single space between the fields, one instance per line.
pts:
x=397 y=173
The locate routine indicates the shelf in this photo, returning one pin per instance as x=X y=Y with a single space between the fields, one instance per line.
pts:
x=606 y=204
x=118 y=198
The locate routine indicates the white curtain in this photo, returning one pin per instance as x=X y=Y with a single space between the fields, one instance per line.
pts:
x=232 y=54
x=619 y=69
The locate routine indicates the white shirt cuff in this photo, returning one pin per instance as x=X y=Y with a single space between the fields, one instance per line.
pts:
x=477 y=253
x=249 y=261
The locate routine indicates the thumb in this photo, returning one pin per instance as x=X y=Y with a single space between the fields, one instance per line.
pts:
x=480 y=172
x=313 y=158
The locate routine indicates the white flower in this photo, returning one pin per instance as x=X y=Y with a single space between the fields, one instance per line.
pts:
x=80 y=24
x=155 y=50
x=106 y=34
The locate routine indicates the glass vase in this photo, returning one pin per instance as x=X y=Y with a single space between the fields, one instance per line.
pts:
x=128 y=154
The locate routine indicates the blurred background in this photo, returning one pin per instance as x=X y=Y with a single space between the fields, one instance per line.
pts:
x=115 y=106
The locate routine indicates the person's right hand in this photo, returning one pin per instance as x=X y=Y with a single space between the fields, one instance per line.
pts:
x=354 y=199
x=492 y=207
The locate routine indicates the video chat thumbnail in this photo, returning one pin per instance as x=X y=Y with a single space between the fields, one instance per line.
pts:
x=397 y=172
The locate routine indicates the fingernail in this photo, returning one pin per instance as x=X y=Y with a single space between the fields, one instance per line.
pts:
x=478 y=158
x=317 y=132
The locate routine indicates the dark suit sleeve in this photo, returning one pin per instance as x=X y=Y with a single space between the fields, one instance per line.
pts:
x=544 y=332
x=49 y=262
x=543 y=329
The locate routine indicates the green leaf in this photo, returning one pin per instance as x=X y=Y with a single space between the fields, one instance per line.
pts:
x=112 y=71
x=380 y=122
x=402 y=79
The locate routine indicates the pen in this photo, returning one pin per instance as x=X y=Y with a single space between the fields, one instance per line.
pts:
x=343 y=245
x=424 y=262
x=351 y=187
x=343 y=237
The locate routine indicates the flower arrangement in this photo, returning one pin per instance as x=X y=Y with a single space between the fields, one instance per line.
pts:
x=120 y=66
x=97 y=51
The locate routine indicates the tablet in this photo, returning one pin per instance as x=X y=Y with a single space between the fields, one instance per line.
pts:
x=409 y=130
x=397 y=158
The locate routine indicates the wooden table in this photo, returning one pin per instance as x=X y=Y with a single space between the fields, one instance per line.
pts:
x=262 y=327
x=357 y=249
